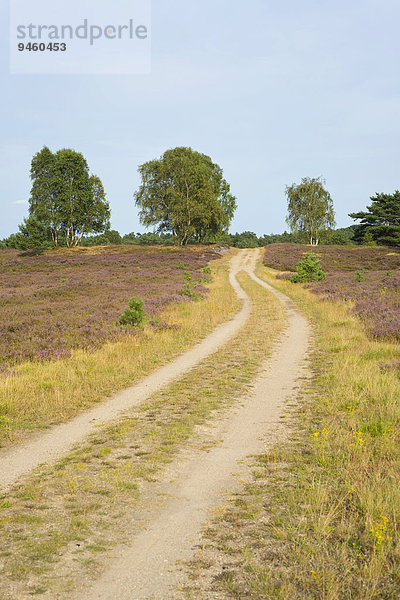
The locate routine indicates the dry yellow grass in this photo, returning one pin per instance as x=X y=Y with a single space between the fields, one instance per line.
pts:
x=47 y=393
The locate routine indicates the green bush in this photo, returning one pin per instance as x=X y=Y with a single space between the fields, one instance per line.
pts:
x=189 y=287
x=308 y=269
x=360 y=275
x=134 y=314
x=113 y=236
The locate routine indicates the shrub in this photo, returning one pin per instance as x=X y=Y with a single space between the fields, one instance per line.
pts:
x=360 y=275
x=189 y=287
x=96 y=240
x=134 y=314
x=308 y=269
x=113 y=236
x=189 y=290
x=368 y=239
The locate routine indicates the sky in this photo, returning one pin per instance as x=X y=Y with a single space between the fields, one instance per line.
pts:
x=272 y=90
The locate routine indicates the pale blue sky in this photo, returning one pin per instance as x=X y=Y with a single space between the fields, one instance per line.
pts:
x=272 y=90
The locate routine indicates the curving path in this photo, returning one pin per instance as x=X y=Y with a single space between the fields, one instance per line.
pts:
x=48 y=446
x=195 y=483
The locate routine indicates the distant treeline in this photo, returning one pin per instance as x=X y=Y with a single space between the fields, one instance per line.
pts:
x=246 y=239
x=249 y=239
x=184 y=197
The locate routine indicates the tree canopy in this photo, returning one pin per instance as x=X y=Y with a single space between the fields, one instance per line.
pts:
x=381 y=221
x=65 y=199
x=247 y=239
x=310 y=209
x=184 y=193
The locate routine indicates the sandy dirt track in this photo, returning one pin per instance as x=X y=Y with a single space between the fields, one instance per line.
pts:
x=197 y=481
x=46 y=447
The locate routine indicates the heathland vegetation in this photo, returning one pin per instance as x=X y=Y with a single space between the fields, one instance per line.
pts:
x=62 y=345
x=366 y=278
x=60 y=301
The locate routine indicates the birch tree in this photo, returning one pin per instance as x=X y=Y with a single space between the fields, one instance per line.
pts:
x=65 y=198
x=184 y=193
x=43 y=203
x=310 y=209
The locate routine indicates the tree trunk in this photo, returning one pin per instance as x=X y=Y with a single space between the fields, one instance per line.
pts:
x=68 y=237
x=54 y=237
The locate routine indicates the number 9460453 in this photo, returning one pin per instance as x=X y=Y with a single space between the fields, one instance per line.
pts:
x=42 y=47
